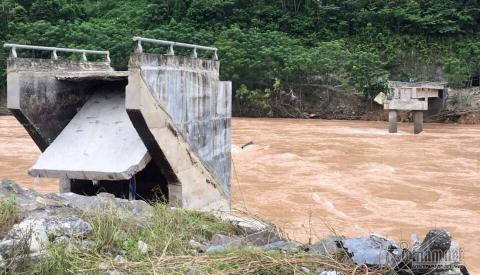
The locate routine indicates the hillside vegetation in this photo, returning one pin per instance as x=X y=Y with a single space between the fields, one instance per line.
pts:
x=271 y=49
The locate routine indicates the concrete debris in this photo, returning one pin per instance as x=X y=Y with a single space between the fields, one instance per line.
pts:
x=373 y=250
x=380 y=98
x=246 y=144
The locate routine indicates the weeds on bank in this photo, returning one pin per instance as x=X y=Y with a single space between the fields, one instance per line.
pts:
x=8 y=214
x=168 y=235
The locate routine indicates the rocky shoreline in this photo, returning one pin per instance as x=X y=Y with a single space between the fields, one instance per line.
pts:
x=60 y=219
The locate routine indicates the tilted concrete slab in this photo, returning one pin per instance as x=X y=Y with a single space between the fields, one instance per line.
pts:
x=99 y=143
x=182 y=112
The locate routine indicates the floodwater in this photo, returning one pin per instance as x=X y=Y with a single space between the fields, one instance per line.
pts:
x=313 y=177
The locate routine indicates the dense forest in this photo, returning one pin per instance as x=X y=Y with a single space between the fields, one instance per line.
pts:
x=270 y=49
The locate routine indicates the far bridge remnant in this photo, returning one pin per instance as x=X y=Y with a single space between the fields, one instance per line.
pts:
x=161 y=130
x=408 y=96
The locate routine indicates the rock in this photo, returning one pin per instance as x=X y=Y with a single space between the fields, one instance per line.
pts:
x=36 y=232
x=435 y=240
x=119 y=259
x=217 y=248
x=231 y=241
x=67 y=226
x=246 y=225
x=264 y=237
x=285 y=246
x=256 y=232
x=331 y=272
x=373 y=250
x=437 y=252
x=304 y=269
x=142 y=247
x=327 y=247
x=24 y=198
x=198 y=247
x=2 y=262
x=221 y=242
x=29 y=231
x=137 y=210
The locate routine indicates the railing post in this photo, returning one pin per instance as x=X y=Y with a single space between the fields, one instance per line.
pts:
x=194 y=53
x=215 y=56
x=54 y=55
x=138 y=48
x=13 y=53
x=170 y=50
x=84 y=57
x=107 y=57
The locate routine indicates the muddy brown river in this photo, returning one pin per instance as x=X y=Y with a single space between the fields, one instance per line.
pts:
x=313 y=177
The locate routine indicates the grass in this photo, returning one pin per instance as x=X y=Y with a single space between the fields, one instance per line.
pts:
x=8 y=214
x=168 y=235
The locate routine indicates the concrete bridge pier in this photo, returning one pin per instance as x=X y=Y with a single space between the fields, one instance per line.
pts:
x=417 y=122
x=392 y=121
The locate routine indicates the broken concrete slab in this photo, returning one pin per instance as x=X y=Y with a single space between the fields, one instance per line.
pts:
x=373 y=250
x=99 y=143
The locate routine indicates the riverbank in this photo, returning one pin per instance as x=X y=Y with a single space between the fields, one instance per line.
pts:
x=70 y=233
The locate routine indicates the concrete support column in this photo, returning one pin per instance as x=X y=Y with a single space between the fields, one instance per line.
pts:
x=417 y=122
x=64 y=185
x=392 y=121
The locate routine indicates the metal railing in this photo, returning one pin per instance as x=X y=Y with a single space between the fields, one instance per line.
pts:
x=54 y=50
x=172 y=44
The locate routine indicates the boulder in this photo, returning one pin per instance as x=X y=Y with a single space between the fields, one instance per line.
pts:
x=327 y=247
x=36 y=233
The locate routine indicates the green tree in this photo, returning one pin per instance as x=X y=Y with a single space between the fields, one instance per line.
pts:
x=457 y=72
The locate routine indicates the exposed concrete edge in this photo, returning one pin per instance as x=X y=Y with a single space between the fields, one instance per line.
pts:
x=95 y=175
x=92 y=75
x=49 y=65
x=199 y=190
x=149 y=141
x=31 y=130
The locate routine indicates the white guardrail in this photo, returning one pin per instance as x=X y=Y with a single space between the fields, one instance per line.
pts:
x=172 y=44
x=54 y=50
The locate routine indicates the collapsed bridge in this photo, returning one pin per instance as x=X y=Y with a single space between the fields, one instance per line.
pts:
x=160 y=130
